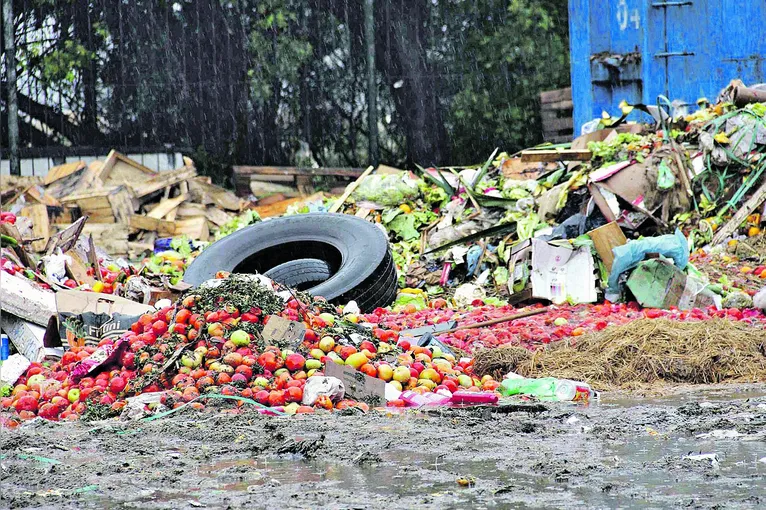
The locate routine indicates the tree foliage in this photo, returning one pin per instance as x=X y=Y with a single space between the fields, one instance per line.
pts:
x=254 y=81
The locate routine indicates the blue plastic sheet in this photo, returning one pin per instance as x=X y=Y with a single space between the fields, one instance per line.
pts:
x=626 y=257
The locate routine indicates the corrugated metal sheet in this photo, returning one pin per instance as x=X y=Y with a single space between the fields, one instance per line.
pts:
x=638 y=49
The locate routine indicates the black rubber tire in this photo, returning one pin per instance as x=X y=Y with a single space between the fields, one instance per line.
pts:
x=355 y=251
x=300 y=274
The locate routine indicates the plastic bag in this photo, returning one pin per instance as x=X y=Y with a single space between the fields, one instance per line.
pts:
x=387 y=190
x=665 y=177
x=628 y=256
x=316 y=386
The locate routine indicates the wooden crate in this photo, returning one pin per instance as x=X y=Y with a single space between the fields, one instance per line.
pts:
x=107 y=205
x=556 y=115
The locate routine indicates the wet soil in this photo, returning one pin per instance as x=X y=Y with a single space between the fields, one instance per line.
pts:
x=696 y=449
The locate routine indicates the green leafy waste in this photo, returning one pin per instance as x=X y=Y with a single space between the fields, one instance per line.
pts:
x=404 y=227
x=243 y=220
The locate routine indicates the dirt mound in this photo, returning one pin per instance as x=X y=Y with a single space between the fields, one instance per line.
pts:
x=643 y=352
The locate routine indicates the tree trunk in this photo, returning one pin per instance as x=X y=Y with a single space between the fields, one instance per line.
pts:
x=413 y=81
x=83 y=35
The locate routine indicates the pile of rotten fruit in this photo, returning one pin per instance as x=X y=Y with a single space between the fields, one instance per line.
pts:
x=210 y=343
x=209 y=350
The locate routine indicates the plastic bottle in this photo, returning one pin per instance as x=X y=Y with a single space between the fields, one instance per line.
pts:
x=548 y=388
x=541 y=388
x=474 y=397
x=568 y=391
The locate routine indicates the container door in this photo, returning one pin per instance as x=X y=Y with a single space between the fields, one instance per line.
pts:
x=708 y=43
x=617 y=36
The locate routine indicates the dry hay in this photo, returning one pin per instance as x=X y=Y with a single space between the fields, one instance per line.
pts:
x=643 y=352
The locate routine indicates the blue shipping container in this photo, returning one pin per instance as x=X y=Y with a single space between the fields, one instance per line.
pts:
x=635 y=50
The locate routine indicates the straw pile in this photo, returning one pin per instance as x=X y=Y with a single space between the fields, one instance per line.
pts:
x=643 y=352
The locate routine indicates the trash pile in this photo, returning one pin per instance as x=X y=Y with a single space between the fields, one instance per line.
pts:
x=542 y=224
x=636 y=242
x=241 y=338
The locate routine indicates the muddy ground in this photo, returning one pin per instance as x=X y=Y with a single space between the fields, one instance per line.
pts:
x=626 y=451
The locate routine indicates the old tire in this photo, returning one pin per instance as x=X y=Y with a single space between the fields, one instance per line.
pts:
x=355 y=251
x=300 y=274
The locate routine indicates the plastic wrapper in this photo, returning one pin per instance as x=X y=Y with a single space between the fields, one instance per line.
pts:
x=55 y=267
x=628 y=256
x=316 y=386
x=467 y=294
x=414 y=399
x=103 y=355
x=387 y=190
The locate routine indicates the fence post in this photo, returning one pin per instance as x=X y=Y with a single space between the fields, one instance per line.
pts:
x=13 y=102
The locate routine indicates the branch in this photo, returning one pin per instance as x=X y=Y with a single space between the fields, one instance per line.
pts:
x=53 y=118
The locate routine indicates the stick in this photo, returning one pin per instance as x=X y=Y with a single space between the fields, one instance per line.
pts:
x=350 y=189
x=683 y=175
x=520 y=315
x=746 y=210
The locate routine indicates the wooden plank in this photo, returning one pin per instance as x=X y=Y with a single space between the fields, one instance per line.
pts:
x=217 y=216
x=208 y=193
x=558 y=124
x=121 y=202
x=265 y=178
x=195 y=228
x=26 y=300
x=163 y=180
x=139 y=222
x=77 y=268
x=21 y=253
x=293 y=170
x=38 y=213
x=59 y=172
x=37 y=194
x=28 y=338
x=558 y=106
x=102 y=217
x=171 y=215
x=746 y=210
x=552 y=96
x=548 y=156
x=189 y=209
x=350 y=189
x=93 y=258
x=111 y=238
x=120 y=169
x=66 y=239
x=80 y=181
x=88 y=198
x=165 y=206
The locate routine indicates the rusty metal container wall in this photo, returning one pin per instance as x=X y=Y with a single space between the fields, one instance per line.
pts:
x=635 y=50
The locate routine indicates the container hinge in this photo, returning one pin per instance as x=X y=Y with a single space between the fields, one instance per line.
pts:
x=658 y=5
x=668 y=54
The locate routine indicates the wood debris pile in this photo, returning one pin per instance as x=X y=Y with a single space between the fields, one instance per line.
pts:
x=128 y=205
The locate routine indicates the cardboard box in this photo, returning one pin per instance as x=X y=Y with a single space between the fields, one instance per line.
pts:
x=543 y=270
x=358 y=385
x=658 y=283
x=84 y=318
